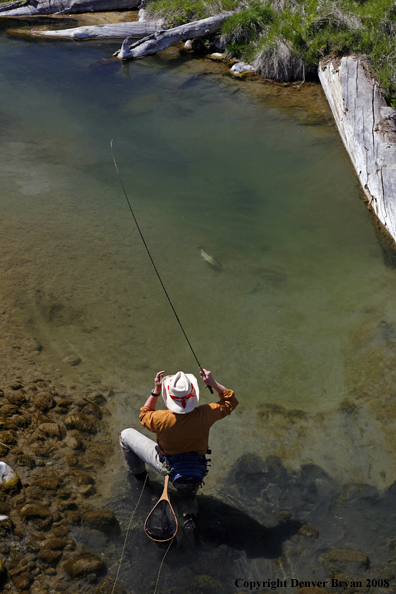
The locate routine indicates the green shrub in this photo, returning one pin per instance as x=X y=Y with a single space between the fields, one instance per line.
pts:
x=287 y=38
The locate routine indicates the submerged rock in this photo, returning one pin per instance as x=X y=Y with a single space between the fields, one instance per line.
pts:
x=34 y=510
x=17 y=398
x=23 y=581
x=44 y=401
x=8 y=477
x=49 y=480
x=84 y=565
x=72 y=360
x=103 y=520
x=51 y=430
x=81 y=422
x=49 y=556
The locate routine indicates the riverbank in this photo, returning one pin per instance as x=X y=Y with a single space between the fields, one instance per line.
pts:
x=54 y=436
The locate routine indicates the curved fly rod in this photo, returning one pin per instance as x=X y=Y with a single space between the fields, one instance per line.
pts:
x=153 y=263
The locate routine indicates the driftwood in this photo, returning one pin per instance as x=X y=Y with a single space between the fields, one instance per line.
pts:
x=115 y=30
x=368 y=130
x=162 y=39
x=33 y=7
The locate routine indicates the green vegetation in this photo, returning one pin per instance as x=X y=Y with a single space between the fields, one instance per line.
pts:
x=285 y=39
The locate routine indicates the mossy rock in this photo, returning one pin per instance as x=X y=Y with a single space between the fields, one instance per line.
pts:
x=23 y=581
x=17 y=398
x=21 y=420
x=61 y=530
x=81 y=422
x=103 y=520
x=7 y=410
x=44 y=401
x=4 y=508
x=25 y=460
x=49 y=556
x=93 y=410
x=49 y=481
x=34 y=510
x=85 y=564
x=55 y=544
x=8 y=478
x=83 y=478
x=51 y=430
x=3 y=450
x=8 y=438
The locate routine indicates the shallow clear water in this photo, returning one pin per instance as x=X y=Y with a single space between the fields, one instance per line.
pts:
x=206 y=164
x=300 y=314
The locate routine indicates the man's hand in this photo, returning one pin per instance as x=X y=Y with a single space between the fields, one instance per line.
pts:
x=209 y=380
x=158 y=382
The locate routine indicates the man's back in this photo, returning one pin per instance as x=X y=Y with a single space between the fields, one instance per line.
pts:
x=182 y=433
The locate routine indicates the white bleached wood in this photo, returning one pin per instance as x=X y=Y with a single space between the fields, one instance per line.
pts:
x=116 y=30
x=368 y=130
x=33 y=7
x=163 y=39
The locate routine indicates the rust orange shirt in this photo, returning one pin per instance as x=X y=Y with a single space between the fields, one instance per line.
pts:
x=178 y=433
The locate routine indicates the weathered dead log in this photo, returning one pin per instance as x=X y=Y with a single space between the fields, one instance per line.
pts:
x=368 y=130
x=32 y=7
x=162 y=39
x=135 y=29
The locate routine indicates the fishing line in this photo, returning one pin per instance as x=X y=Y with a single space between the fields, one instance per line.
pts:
x=126 y=535
x=153 y=263
x=162 y=562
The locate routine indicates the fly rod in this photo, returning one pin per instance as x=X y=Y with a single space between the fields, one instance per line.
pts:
x=153 y=263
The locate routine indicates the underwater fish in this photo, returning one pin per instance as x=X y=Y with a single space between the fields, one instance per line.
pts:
x=209 y=259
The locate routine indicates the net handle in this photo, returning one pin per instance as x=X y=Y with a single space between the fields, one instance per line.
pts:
x=164 y=497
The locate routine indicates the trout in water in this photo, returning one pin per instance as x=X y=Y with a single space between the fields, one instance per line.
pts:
x=210 y=260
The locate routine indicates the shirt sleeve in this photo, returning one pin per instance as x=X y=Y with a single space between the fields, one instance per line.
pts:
x=147 y=418
x=224 y=406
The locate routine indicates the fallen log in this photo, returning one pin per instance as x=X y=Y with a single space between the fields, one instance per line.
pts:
x=135 y=29
x=33 y=7
x=162 y=39
x=368 y=130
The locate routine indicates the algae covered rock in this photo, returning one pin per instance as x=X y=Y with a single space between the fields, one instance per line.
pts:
x=55 y=544
x=103 y=520
x=49 y=480
x=43 y=401
x=8 y=477
x=23 y=581
x=51 y=430
x=34 y=510
x=8 y=438
x=81 y=422
x=49 y=556
x=84 y=564
x=17 y=398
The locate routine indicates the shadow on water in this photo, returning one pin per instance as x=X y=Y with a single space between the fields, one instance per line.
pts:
x=263 y=517
x=219 y=523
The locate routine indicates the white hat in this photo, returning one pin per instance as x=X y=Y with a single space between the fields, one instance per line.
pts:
x=180 y=392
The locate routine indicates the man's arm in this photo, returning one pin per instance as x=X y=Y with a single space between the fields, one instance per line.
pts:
x=209 y=380
x=227 y=402
x=151 y=401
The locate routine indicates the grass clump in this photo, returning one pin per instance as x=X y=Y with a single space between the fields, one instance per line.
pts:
x=285 y=39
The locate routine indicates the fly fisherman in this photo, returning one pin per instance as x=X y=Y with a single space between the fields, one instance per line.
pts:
x=182 y=431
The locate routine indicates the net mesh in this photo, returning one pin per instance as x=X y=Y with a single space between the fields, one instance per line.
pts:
x=161 y=524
